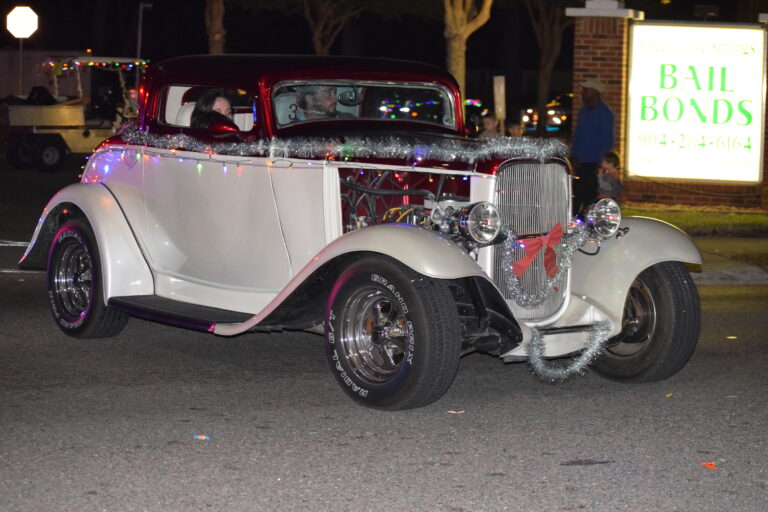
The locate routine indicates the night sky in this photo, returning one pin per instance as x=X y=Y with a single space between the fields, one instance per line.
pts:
x=506 y=45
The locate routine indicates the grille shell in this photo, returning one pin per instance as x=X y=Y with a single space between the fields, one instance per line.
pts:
x=532 y=197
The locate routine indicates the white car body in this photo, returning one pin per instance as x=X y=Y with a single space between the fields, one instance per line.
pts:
x=258 y=230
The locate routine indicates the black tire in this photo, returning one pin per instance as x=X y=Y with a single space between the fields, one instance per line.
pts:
x=660 y=327
x=19 y=154
x=75 y=285
x=392 y=336
x=49 y=153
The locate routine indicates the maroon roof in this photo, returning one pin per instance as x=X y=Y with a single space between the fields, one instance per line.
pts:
x=271 y=68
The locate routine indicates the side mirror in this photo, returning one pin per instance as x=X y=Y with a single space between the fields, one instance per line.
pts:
x=221 y=125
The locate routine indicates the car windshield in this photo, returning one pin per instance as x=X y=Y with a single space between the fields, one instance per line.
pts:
x=307 y=101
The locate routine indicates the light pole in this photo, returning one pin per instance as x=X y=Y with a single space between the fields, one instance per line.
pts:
x=21 y=22
x=142 y=6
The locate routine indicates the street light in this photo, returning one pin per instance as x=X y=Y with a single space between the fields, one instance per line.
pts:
x=21 y=22
x=142 y=6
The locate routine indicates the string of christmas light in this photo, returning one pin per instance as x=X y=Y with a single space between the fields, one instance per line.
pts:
x=554 y=372
x=347 y=148
x=570 y=243
x=61 y=66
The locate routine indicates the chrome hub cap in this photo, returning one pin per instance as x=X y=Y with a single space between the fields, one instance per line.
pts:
x=73 y=280
x=374 y=335
x=639 y=323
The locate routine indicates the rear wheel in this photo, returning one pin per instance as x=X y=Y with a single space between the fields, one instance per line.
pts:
x=660 y=327
x=75 y=285
x=19 y=154
x=392 y=336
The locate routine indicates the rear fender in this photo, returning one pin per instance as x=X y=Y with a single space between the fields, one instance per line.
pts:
x=603 y=279
x=124 y=268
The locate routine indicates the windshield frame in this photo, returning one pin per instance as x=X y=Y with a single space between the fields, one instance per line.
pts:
x=439 y=89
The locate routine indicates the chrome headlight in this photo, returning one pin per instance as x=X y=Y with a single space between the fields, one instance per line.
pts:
x=605 y=217
x=480 y=222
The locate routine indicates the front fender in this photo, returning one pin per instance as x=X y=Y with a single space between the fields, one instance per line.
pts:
x=604 y=279
x=123 y=266
x=425 y=251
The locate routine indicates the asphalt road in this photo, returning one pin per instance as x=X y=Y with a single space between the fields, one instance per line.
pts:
x=160 y=418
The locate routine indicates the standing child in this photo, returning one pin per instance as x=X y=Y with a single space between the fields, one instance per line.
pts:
x=608 y=177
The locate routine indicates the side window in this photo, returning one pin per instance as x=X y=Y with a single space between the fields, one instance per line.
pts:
x=176 y=112
x=180 y=102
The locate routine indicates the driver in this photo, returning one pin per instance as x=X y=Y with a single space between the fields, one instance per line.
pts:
x=319 y=102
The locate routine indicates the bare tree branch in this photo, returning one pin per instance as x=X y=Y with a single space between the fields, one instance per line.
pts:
x=461 y=21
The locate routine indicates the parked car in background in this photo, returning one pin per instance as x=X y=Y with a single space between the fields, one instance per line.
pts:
x=43 y=127
x=344 y=196
x=558 y=114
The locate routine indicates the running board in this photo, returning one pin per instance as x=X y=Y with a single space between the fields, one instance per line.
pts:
x=173 y=312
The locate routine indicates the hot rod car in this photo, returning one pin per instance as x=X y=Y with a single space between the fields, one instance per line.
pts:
x=343 y=196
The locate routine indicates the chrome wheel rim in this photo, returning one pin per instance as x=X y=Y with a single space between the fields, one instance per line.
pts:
x=374 y=335
x=639 y=321
x=73 y=280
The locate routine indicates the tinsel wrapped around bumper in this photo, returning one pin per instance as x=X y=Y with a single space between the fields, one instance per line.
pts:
x=412 y=149
x=552 y=371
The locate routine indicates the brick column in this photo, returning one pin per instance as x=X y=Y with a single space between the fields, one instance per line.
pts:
x=601 y=52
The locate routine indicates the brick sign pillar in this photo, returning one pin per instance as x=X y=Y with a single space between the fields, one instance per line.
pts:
x=601 y=52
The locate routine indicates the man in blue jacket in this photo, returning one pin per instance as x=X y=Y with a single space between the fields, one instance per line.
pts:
x=592 y=138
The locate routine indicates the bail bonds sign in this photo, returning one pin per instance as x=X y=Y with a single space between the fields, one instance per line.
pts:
x=696 y=102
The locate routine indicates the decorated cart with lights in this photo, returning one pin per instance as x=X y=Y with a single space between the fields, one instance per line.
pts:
x=344 y=197
x=48 y=127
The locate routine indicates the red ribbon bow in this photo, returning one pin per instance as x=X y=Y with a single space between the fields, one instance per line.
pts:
x=532 y=248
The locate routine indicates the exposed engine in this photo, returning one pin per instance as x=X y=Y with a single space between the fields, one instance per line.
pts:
x=437 y=201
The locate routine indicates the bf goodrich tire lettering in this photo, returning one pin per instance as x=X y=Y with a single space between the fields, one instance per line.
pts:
x=392 y=336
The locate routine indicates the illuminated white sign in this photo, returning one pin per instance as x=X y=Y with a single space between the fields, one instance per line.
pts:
x=696 y=102
x=21 y=22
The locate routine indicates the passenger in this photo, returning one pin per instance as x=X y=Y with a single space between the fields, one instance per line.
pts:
x=212 y=105
x=318 y=102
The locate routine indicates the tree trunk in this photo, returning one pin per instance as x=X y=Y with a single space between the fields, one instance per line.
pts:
x=214 y=24
x=457 y=60
x=461 y=21
x=542 y=96
x=549 y=22
x=326 y=18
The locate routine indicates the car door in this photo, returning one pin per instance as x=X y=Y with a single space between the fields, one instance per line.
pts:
x=212 y=232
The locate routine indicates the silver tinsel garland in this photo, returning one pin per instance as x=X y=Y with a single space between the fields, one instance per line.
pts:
x=348 y=148
x=570 y=243
x=554 y=372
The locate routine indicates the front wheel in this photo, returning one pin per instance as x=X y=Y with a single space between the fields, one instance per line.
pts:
x=75 y=285
x=392 y=336
x=660 y=327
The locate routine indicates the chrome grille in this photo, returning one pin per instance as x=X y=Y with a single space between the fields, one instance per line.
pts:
x=532 y=197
